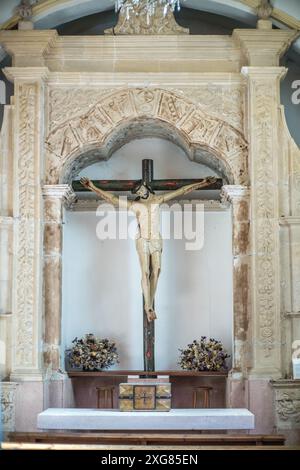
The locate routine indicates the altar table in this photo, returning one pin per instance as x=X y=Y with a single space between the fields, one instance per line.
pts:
x=176 y=419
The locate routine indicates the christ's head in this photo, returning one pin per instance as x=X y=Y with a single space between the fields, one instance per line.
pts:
x=143 y=190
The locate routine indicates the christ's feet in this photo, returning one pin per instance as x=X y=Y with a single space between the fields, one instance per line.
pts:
x=151 y=315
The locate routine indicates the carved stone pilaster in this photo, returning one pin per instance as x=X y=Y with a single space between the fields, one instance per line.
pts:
x=55 y=198
x=263 y=112
x=239 y=197
x=8 y=399
x=27 y=212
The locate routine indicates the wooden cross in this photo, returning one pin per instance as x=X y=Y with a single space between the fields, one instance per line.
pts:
x=156 y=185
x=145 y=396
x=147 y=176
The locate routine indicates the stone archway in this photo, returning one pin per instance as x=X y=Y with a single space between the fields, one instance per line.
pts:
x=91 y=135
x=96 y=134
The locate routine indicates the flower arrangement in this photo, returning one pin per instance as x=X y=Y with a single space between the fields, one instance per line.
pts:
x=203 y=354
x=92 y=353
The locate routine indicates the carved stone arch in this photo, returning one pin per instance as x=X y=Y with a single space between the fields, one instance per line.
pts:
x=93 y=135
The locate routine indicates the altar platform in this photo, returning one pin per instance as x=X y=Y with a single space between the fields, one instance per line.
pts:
x=176 y=419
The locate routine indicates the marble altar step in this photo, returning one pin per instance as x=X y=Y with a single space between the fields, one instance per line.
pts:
x=176 y=419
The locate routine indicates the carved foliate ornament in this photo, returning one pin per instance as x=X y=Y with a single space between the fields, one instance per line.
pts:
x=92 y=128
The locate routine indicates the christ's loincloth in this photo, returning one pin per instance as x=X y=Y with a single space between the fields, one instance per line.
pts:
x=149 y=246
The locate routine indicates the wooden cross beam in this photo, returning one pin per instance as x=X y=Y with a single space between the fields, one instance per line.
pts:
x=148 y=177
x=156 y=185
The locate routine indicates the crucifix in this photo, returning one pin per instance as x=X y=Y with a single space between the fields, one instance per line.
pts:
x=148 y=241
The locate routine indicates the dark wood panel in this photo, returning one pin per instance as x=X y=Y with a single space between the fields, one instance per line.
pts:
x=154 y=438
x=156 y=185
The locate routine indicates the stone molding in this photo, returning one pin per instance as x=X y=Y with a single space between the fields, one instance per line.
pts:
x=33 y=74
x=60 y=191
x=263 y=47
x=45 y=47
x=233 y=193
x=6 y=220
x=122 y=53
x=28 y=48
x=289 y=220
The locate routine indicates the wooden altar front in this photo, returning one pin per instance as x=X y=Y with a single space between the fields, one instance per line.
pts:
x=183 y=383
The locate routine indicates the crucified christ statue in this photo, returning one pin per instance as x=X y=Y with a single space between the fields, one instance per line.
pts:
x=148 y=240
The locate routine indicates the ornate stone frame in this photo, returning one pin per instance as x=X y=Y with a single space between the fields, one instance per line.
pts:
x=140 y=98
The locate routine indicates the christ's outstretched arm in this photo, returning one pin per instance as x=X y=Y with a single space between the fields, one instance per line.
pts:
x=186 y=189
x=106 y=195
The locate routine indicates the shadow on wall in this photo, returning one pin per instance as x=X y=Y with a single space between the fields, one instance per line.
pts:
x=290 y=95
x=6 y=87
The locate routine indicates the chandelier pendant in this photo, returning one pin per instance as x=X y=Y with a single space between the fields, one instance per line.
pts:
x=145 y=7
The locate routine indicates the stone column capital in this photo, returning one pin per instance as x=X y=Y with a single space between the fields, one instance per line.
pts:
x=28 y=74
x=264 y=73
x=233 y=193
x=59 y=191
x=28 y=48
x=6 y=220
x=264 y=47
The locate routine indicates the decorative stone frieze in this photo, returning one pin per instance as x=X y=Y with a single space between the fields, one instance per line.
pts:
x=94 y=129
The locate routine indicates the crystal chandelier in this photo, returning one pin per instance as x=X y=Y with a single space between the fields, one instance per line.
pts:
x=146 y=7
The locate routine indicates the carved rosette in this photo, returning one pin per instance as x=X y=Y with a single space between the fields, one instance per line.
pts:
x=93 y=128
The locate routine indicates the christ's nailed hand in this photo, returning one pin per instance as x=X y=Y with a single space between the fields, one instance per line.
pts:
x=211 y=179
x=85 y=182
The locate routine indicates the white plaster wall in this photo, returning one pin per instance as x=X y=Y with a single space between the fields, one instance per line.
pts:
x=101 y=279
